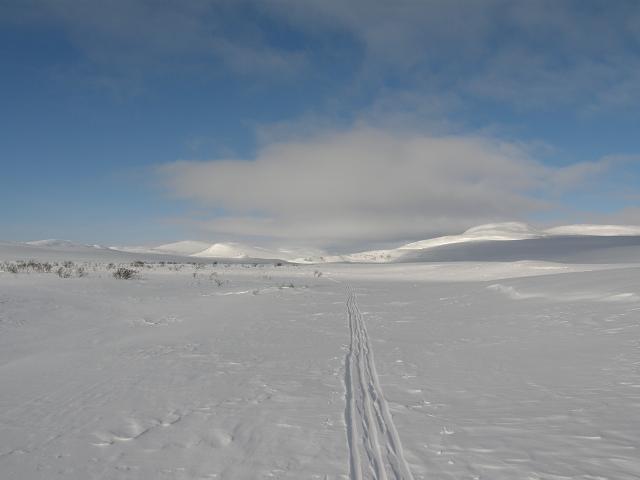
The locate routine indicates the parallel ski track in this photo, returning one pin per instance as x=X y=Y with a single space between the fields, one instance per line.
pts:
x=375 y=450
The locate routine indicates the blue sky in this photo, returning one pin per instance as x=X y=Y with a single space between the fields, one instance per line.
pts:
x=142 y=122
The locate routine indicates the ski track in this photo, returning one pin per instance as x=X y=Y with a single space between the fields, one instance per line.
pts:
x=375 y=451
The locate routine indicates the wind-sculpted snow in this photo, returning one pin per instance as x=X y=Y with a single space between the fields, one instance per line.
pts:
x=595 y=296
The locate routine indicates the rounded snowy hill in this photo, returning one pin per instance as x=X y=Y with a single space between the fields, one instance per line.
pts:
x=596 y=230
x=185 y=247
x=241 y=251
x=514 y=241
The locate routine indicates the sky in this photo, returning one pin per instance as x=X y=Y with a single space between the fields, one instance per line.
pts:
x=323 y=123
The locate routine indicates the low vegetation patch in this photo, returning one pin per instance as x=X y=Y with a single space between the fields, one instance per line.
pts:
x=29 y=266
x=125 y=273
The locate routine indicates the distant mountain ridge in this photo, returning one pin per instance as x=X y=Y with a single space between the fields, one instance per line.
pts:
x=56 y=243
x=484 y=241
x=492 y=232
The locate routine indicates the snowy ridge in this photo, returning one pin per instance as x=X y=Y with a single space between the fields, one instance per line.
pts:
x=596 y=230
x=185 y=247
x=58 y=244
x=493 y=232
x=236 y=250
x=375 y=450
x=229 y=250
x=490 y=232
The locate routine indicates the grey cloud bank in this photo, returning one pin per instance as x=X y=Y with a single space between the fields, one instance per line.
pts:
x=371 y=185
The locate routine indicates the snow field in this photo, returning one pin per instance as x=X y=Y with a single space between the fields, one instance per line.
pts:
x=464 y=370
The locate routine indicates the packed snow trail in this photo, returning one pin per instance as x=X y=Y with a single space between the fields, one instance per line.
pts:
x=375 y=451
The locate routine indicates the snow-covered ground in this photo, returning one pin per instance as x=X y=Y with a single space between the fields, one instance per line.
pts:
x=524 y=369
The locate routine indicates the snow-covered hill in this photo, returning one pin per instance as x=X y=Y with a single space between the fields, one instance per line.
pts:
x=489 y=232
x=510 y=241
x=185 y=247
x=596 y=230
x=235 y=250
x=55 y=243
x=513 y=241
x=240 y=251
x=228 y=250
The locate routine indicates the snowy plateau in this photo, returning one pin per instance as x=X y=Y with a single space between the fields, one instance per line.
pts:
x=505 y=352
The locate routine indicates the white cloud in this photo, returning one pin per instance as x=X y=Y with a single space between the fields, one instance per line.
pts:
x=370 y=185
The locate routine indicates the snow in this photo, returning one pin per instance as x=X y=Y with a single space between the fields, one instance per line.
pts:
x=185 y=247
x=229 y=250
x=494 y=234
x=503 y=231
x=595 y=230
x=236 y=250
x=486 y=242
x=563 y=249
x=238 y=370
x=489 y=232
x=241 y=251
x=59 y=244
x=52 y=242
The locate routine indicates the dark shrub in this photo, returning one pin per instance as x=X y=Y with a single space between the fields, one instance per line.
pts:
x=124 y=273
x=64 y=272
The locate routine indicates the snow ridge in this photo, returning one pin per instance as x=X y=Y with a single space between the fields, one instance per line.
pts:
x=375 y=450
